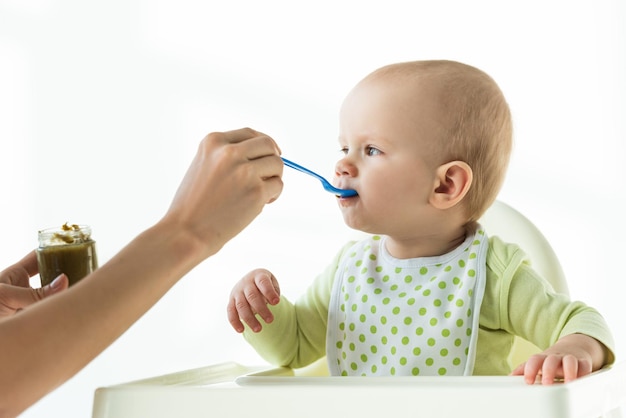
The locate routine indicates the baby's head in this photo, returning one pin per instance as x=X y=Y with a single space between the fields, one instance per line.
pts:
x=455 y=111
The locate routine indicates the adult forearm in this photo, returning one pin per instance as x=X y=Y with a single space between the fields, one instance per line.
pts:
x=95 y=312
x=233 y=175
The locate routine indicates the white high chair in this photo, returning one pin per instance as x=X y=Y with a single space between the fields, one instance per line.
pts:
x=232 y=390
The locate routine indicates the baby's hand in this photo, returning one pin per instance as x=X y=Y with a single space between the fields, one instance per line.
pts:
x=573 y=356
x=249 y=297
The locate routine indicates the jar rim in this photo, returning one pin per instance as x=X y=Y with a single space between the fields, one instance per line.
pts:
x=71 y=228
x=64 y=235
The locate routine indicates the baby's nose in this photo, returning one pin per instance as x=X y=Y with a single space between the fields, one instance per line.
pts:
x=345 y=168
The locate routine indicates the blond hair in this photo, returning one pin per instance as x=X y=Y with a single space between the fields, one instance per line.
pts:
x=475 y=125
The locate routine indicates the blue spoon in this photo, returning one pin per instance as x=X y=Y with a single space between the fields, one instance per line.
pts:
x=327 y=186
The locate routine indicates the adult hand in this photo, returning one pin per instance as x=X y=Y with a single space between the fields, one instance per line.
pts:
x=233 y=175
x=15 y=290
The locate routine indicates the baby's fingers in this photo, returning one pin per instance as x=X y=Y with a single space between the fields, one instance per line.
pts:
x=234 y=316
x=530 y=369
x=552 y=369
x=519 y=370
x=239 y=309
x=570 y=368
x=268 y=286
x=574 y=367
x=250 y=298
x=255 y=302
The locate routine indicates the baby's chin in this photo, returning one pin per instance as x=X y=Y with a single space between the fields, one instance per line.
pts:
x=359 y=225
x=351 y=222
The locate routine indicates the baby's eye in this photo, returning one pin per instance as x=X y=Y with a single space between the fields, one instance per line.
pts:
x=344 y=150
x=371 y=151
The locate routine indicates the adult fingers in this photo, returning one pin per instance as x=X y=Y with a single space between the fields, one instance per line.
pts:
x=29 y=263
x=19 y=273
x=59 y=284
x=261 y=154
x=16 y=298
x=246 y=145
x=246 y=134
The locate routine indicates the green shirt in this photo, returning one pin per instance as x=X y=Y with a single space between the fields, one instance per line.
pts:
x=516 y=302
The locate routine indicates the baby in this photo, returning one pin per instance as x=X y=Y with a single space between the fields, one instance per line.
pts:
x=426 y=145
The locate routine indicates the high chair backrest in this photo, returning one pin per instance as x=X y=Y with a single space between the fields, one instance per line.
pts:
x=513 y=227
x=510 y=225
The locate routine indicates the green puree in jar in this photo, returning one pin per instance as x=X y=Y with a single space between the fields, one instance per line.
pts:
x=69 y=249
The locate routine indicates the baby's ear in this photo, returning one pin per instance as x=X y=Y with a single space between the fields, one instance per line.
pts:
x=452 y=183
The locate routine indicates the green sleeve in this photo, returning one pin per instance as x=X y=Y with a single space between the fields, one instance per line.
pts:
x=297 y=336
x=529 y=308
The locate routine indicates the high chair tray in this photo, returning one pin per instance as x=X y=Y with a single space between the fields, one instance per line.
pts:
x=232 y=390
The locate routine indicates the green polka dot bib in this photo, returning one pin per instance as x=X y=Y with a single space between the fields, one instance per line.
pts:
x=406 y=317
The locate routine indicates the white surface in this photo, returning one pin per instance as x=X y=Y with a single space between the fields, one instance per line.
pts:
x=232 y=390
x=111 y=98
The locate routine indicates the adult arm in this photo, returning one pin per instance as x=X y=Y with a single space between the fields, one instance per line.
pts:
x=231 y=178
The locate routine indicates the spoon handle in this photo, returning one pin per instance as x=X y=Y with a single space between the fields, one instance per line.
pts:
x=327 y=186
x=298 y=167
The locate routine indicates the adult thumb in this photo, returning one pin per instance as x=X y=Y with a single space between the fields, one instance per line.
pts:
x=56 y=286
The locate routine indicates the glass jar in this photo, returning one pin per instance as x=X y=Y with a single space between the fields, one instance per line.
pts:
x=68 y=249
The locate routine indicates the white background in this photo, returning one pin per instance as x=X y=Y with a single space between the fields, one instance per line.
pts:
x=102 y=105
